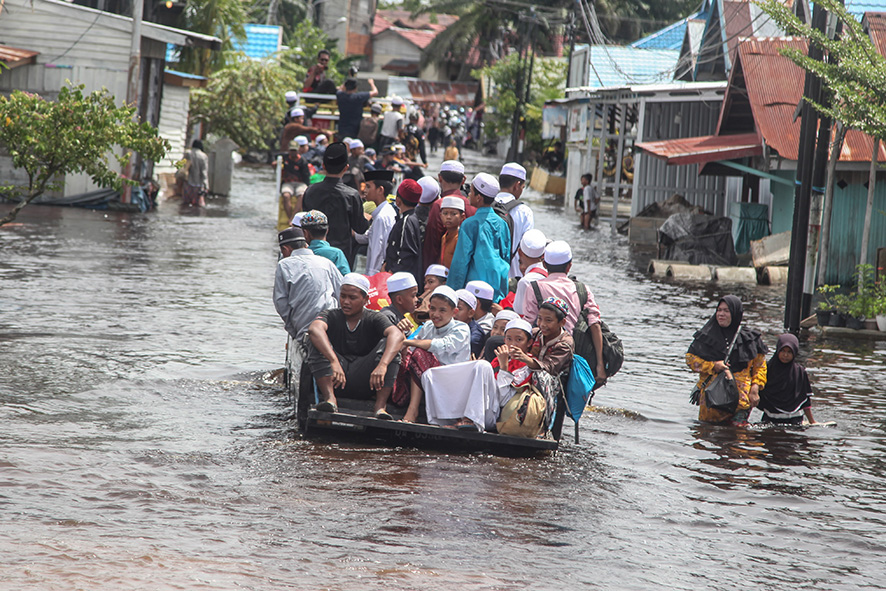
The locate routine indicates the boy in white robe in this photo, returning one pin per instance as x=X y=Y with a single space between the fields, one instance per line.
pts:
x=442 y=340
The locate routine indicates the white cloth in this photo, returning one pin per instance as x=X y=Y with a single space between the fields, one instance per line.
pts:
x=589 y=197
x=468 y=390
x=486 y=322
x=391 y=124
x=449 y=344
x=522 y=286
x=304 y=285
x=523 y=222
x=376 y=237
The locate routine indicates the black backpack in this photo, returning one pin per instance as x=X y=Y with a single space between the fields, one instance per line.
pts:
x=613 y=349
x=504 y=211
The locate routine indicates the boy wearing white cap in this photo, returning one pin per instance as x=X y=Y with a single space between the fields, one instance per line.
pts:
x=402 y=292
x=512 y=181
x=483 y=314
x=531 y=256
x=452 y=214
x=467 y=306
x=442 y=340
x=558 y=262
x=296 y=126
x=451 y=177
x=353 y=350
x=484 y=242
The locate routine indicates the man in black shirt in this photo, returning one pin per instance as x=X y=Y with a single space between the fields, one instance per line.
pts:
x=341 y=204
x=354 y=350
x=295 y=165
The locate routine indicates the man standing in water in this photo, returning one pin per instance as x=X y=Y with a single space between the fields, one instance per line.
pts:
x=354 y=350
x=197 y=182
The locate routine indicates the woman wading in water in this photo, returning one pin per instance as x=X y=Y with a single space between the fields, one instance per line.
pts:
x=747 y=362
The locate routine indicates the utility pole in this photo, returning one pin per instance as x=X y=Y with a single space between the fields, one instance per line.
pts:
x=802 y=195
x=135 y=58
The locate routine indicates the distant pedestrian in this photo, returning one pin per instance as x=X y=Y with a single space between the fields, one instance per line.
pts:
x=392 y=123
x=350 y=106
x=370 y=127
x=590 y=201
x=197 y=182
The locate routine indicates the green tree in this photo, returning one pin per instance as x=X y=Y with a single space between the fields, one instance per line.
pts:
x=221 y=18
x=74 y=134
x=548 y=80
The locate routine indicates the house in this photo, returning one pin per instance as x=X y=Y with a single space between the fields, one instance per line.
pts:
x=349 y=22
x=757 y=139
x=399 y=42
x=68 y=42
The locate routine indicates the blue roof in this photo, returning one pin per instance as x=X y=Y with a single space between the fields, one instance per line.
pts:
x=857 y=8
x=261 y=41
x=671 y=37
x=625 y=66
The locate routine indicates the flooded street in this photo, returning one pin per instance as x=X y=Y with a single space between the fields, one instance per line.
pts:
x=145 y=447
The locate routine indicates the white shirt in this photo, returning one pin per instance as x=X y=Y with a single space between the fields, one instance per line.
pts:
x=304 y=285
x=523 y=221
x=376 y=237
x=589 y=196
x=392 y=123
x=450 y=344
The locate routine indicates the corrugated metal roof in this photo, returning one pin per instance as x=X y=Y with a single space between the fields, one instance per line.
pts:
x=703 y=149
x=670 y=37
x=774 y=87
x=621 y=66
x=13 y=57
x=456 y=93
x=261 y=41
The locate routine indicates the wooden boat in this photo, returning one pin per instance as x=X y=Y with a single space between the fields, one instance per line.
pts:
x=361 y=426
x=355 y=422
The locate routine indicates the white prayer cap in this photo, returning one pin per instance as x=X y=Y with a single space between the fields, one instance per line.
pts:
x=481 y=289
x=400 y=281
x=296 y=219
x=321 y=138
x=291 y=96
x=447 y=292
x=467 y=297
x=521 y=324
x=513 y=169
x=301 y=140
x=506 y=315
x=396 y=101
x=453 y=203
x=533 y=243
x=398 y=148
x=297 y=112
x=355 y=144
x=357 y=280
x=485 y=184
x=452 y=166
x=430 y=189
x=558 y=253
x=437 y=271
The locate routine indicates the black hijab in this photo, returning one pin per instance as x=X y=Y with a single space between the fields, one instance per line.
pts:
x=712 y=341
x=787 y=384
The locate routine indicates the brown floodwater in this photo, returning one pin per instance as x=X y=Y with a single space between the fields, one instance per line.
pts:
x=145 y=447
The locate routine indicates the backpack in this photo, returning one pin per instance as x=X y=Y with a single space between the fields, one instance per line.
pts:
x=613 y=349
x=524 y=414
x=504 y=211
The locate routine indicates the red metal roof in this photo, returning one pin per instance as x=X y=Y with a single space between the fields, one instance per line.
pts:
x=14 y=57
x=706 y=148
x=457 y=93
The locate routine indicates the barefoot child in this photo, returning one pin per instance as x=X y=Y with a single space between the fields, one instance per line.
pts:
x=785 y=397
x=440 y=341
x=452 y=214
x=589 y=201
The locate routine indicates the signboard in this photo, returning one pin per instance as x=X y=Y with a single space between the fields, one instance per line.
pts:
x=577 y=131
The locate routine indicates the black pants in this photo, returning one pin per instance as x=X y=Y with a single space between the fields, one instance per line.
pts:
x=357 y=370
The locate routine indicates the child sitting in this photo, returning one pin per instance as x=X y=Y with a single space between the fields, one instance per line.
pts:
x=552 y=346
x=785 y=397
x=484 y=294
x=471 y=395
x=440 y=341
x=452 y=214
x=467 y=304
x=497 y=334
x=435 y=276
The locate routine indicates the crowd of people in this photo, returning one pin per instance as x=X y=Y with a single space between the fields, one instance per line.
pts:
x=463 y=330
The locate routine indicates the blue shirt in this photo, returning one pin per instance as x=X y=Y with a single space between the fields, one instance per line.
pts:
x=483 y=252
x=323 y=249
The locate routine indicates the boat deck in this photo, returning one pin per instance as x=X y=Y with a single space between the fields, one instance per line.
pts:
x=363 y=427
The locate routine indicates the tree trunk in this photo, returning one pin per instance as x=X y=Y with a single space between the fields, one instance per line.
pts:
x=866 y=230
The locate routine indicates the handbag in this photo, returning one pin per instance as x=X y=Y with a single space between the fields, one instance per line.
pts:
x=720 y=392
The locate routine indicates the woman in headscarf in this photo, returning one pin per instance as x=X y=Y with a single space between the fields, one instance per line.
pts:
x=747 y=362
x=785 y=399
